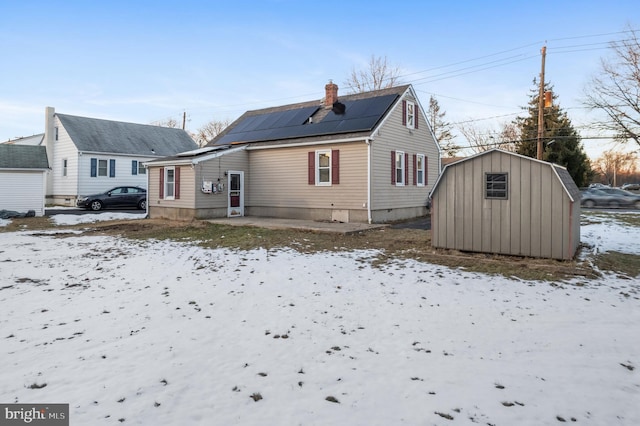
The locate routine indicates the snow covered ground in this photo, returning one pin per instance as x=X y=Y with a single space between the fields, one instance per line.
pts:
x=162 y=333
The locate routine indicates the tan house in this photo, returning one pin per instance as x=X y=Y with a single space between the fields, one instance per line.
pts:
x=368 y=157
x=505 y=203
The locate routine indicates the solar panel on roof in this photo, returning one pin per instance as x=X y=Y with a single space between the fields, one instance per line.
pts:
x=360 y=115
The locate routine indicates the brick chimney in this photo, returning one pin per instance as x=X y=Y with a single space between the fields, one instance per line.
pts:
x=331 y=94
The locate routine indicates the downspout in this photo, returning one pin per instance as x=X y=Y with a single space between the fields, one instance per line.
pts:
x=368 y=142
x=148 y=191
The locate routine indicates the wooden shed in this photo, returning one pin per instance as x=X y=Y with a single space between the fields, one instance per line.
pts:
x=505 y=203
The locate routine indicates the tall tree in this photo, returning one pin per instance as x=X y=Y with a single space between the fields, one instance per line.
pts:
x=378 y=75
x=562 y=143
x=616 y=89
x=210 y=131
x=441 y=128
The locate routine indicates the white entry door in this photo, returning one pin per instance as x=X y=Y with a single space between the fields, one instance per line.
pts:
x=236 y=194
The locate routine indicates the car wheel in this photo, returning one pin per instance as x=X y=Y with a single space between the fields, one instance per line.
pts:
x=589 y=204
x=142 y=205
x=96 y=205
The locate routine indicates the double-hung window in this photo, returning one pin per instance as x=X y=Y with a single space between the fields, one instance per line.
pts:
x=496 y=186
x=411 y=115
x=65 y=164
x=400 y=168
x=420 y=170
x=102 y=167
x=137 y=168
x=323 y=167
x=169 y=183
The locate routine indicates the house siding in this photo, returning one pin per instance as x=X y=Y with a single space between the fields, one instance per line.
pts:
x=215 y=204
x=22 y=191
x=88 y=184
x=283 y=189
x=182 y=208
x=63 y=189
x=391 y=202
x=537 y=220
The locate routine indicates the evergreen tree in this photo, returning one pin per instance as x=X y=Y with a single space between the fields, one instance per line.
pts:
x=561 y=143
x=441 y=128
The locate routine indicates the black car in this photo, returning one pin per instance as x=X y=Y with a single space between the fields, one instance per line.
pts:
x=120 y=196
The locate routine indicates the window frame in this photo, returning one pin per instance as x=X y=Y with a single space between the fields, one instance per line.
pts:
x=320 y=168
x=169 y=184
x=100 y=170
x=410 y=114
x=421 y=180
x=493 y=186
x=65 y=167
x=400 y=171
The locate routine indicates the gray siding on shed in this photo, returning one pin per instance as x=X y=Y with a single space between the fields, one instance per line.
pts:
x=540 y=217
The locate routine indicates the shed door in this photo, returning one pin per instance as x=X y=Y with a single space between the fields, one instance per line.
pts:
x=22 y=191
x=236 y=194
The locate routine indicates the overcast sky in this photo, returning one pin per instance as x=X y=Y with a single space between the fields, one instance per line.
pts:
x=147 y=61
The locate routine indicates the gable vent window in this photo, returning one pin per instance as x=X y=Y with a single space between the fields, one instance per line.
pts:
x=496 y=186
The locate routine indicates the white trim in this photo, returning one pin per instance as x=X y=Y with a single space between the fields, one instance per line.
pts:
x=404 y=167
x=412 y=104
x=231 y=210
x=318 y=153
x=166 y=181
x=368 y=142
x=423 y=170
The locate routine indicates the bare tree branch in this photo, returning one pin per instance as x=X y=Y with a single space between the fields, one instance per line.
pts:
x=616 y=90
x=378 y=75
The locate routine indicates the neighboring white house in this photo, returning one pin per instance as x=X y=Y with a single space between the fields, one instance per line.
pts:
x=89 y=155
x=23 y=171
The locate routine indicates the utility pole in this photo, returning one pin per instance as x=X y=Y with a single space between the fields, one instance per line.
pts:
x=541 y=106
x=184 y=119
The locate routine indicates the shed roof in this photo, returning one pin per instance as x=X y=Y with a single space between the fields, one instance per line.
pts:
x=97 y=135
x=23 y=157
x=311 y=120
x=560 y=172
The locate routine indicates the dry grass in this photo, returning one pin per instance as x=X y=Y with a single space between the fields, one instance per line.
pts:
x=388 y=244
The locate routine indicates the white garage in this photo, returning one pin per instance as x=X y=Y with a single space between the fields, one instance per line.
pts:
x=23 y=172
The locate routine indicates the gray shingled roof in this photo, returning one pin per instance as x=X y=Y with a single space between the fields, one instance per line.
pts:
x=116 y=137
x=23 y=157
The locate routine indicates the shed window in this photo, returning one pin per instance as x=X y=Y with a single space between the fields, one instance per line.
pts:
x=496 y=185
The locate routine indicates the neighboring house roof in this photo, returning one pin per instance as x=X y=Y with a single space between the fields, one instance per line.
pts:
x=351 y=116
x=23 y=157
x=96 y=135
x=27 y=140
x=561 y=172
x=449 y=160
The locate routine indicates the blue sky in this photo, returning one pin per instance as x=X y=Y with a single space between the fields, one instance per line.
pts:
x=146 y=61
